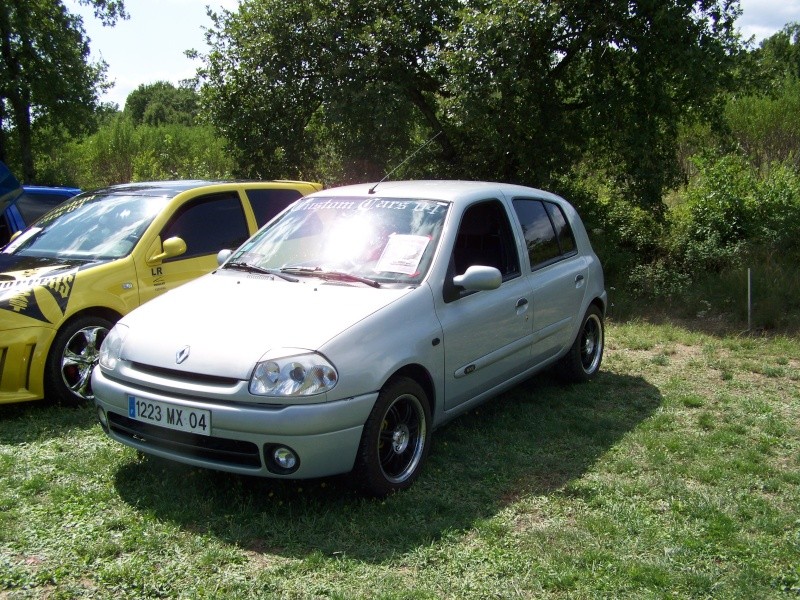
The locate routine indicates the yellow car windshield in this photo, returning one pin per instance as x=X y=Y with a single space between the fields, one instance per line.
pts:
x=89 y=227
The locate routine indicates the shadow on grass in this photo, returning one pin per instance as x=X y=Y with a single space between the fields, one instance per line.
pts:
x=27 y=422
x=531 y=440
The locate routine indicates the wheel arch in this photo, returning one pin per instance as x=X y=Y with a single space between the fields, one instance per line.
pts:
x=600 y=304
x=93 y=311
x=423 y=377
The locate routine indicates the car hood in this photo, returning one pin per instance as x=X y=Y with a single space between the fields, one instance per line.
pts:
x=50 y=279
x=228 y=321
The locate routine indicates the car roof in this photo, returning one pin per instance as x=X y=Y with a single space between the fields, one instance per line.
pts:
x=174 y=187
x=438 y=189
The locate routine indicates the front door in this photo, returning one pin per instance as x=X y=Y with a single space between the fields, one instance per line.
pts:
x=206 y=224
x=487 y=334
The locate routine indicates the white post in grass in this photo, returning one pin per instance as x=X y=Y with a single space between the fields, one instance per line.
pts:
x=749 y=299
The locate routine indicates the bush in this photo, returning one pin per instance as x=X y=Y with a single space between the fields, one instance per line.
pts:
x=120 y=152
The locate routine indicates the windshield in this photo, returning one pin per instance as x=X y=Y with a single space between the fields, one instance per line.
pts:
x=378 y=239
x=89 y=227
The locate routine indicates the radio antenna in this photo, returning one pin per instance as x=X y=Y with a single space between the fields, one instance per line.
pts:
x=413 y=154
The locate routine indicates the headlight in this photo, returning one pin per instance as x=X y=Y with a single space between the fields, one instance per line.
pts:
x=299 y=375
x=111 y=349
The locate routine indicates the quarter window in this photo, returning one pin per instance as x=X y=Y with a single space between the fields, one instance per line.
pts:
x=566 y=239
x=208 y=225
x=548 y=235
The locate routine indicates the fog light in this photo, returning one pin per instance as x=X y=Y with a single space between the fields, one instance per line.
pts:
x=101 y=416
x=281 y=460
x=284 y=458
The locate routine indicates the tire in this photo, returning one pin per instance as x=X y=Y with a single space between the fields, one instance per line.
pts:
x=395 y=440
x=73 y=356
x=582 y=362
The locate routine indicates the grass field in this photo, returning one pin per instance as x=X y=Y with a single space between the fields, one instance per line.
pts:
x=676 y=473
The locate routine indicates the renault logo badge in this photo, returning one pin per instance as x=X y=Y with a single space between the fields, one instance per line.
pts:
x=182 y=354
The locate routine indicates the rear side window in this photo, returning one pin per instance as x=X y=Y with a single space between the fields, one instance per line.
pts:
x=208 y=224
x=268 y=203
x=548 y=235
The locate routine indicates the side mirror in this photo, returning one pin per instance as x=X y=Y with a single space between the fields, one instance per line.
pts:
x=478 y=277
x=171 y=247
x=223 y=255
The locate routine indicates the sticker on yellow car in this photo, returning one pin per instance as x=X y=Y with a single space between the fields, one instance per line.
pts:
x=42 y=294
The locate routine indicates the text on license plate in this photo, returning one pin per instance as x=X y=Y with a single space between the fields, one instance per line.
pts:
x=172 y=416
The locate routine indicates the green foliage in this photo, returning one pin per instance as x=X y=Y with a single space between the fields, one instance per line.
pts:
x=720 y=202
x=161 y=103
x=730 y=209
x=767 y=127
x=518 y=90
x=45 y=73
x=730 y=218
x=120 y=152
x=778 y=56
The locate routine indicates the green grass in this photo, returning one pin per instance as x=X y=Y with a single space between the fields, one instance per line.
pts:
x=676 y=473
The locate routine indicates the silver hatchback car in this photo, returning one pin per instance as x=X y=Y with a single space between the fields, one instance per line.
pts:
x=351 y=326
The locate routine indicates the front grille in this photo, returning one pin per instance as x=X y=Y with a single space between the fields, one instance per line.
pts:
x=175 y=375
x=220 y=450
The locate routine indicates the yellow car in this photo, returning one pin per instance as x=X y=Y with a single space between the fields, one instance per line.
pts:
x=66 y=280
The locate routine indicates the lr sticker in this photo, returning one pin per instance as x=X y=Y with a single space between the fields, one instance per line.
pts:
x=159 y=280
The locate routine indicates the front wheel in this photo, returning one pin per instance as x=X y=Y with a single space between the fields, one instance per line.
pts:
x=73 y=356
x=395 y=440
x=582 y=362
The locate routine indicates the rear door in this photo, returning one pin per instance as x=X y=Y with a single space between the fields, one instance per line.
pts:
x=558 y=275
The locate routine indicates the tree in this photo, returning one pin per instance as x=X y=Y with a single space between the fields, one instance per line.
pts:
x=518 y=90
x=45 y=75
x=779 y=54
x=161 y=103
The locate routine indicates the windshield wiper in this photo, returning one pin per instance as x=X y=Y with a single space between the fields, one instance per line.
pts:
x=243 y=266
x=331 y=275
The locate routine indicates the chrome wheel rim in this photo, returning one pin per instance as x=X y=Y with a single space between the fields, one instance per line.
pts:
x=81 y=354
x=402 y=438
x=591 y=344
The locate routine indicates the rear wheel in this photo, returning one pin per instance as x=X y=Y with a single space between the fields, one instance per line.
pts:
x=582 y=362
x=395 y=440
x=73 y=356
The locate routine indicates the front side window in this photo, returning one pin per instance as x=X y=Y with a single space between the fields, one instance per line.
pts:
x=208 y=224
x=90 y=226
x=388 y=240
x=485 y=238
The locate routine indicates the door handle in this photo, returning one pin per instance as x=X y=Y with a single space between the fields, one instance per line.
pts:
x=521 y=302
x=578 y=278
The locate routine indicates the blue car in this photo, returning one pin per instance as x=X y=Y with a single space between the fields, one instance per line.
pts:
x=22 y=205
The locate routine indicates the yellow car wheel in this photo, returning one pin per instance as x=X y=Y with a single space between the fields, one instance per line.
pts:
x=73 y=356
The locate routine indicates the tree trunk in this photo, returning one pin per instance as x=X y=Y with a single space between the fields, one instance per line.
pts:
x=22 y=120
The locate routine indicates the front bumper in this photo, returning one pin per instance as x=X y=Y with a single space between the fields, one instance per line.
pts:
x=23 y=353
x=324 y=436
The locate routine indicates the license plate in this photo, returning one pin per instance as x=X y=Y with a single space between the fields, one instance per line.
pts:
x=172 y=416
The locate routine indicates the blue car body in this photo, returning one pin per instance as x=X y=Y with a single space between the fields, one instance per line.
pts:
x=21 y=205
